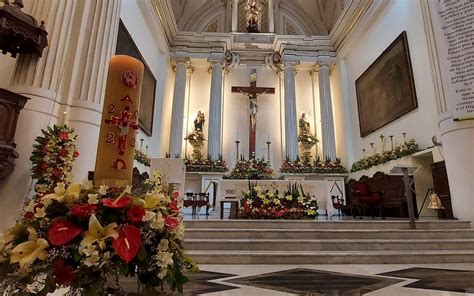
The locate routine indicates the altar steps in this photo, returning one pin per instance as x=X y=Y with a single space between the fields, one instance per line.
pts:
x=328 y=242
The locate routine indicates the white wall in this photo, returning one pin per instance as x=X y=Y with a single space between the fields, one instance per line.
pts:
x=359 y=53
x=152 y=45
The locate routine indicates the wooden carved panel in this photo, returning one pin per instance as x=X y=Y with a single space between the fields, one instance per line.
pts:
x=10 y=106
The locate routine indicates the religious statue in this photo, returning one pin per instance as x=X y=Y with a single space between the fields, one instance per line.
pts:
x=199 y=121
x=253 y=12
x=253 y=110
x=196 y=137
x=304 y=125
x=306 y=138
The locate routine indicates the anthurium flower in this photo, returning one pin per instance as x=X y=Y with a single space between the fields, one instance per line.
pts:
x=97 y=233
x=117 y=203
x=26 y=253
x=128 y=243
x=63 y=273
x=62 y=231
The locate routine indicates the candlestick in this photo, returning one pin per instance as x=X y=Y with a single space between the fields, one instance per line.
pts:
x=237 y=146
x=363 y=152
x=404 y=137
x=382 y=139
x=373 y=149
x=268 y=151
x=391 y=141
x=65 y=118
x=146 y=147
x=115 y=152
x=141 y=145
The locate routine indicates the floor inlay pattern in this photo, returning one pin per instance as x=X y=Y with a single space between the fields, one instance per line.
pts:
x=303 y=281
x=437 y=279
x=199 y=283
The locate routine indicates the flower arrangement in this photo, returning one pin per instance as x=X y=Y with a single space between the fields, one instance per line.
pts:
x=142 y=158
x=83 y=237
x=201 y=164
x=303 y=166
x=53 y=156
x=196 y=136
x=307 y=139
x=292 y=204
x=255 y=169
x=408 y=147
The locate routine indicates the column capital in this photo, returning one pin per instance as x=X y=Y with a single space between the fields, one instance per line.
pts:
x=186 y=61
x=314 y=73
x=325 y=61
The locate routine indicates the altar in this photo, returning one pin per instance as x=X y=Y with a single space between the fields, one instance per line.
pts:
x=231 y=190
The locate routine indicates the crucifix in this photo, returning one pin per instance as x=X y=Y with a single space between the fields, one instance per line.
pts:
x=252 y=92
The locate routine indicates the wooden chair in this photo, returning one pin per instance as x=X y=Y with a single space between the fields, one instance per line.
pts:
x=190 y=201
x=202 y=200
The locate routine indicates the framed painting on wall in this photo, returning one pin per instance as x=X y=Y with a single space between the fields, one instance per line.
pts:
x=386 y=90
x=126 y=46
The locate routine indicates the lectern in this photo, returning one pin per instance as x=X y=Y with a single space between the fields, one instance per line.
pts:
x=406 y=172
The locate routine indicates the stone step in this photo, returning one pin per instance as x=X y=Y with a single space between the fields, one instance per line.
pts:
x=223 y=233
x=333 y=257
x=328 y=245
x=311 y=224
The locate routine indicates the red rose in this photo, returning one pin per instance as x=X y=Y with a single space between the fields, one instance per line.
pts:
x=175 y=195
x=117 y=203
x=135 y=214
x=63 y=274
x=279 y=213
x=63 y=152
x=83 y=211
x=44 y=165
x=75 y=154
x=57 y=172
x=64 y=136
x=62 y=231
x=171 y=222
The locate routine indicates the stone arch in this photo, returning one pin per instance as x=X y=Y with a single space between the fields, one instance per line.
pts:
x=300 y=20
x=205 y=16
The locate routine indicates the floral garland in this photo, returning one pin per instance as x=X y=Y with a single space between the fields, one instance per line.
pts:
x=53 y=156
x=196 y=136
x=405 y=149
x=206 y=165
x=142 y=157
x=307 y=138
x=84 y=238
x=292 y=204
x=300 y=166
x=255 y=169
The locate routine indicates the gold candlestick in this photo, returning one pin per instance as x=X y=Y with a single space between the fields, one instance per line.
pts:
x=391 y=141
x=141 y=145
x=115 y=152
x=404 y=137
x=373 y=149
x=363 y=152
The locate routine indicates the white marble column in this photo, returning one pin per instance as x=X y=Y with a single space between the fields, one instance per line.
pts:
x=271 y=17
x=327 y=118
x=291 y=128
x=215 y=110
x=69 y=77
x=235 y=16
x=177 y=115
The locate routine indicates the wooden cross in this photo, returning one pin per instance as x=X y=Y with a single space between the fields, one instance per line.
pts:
x=252 y=92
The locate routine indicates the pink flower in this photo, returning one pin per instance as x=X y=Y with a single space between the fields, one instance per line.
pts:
x=171 y=222
x=64 y=136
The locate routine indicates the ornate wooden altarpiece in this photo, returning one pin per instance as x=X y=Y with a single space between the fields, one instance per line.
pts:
x=10 y=106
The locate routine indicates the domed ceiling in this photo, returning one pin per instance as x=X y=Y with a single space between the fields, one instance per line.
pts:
x=291 y=17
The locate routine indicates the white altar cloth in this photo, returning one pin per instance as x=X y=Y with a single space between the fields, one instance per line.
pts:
x=234 y=189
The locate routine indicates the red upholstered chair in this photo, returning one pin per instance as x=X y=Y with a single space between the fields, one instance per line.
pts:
x=363 y=197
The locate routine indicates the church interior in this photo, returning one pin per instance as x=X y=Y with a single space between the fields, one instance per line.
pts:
x=236 y=147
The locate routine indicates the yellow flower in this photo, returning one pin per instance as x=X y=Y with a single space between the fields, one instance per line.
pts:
x=93 y=198
x=270 y=194
x=289 y=197
x=276 y=201
x=261 y=196
x=153 y=200
x=62 y=194
x=87 y=185
x=266 y=201
x=311 y=212
x=257 y=188
x=97 y=233
x=26 y=253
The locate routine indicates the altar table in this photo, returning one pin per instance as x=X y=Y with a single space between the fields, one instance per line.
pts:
x=234 y=190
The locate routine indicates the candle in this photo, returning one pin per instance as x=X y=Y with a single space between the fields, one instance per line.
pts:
x=114 y=162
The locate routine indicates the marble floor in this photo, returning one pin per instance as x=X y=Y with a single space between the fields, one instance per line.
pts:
x=390 y=280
